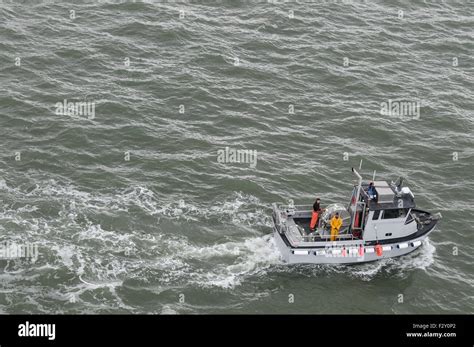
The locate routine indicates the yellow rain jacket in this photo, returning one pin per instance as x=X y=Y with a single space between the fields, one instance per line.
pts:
x=336 y=223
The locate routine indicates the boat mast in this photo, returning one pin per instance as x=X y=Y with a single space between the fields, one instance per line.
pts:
x=354 y=207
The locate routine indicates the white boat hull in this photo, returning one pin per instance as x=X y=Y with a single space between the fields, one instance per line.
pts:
x=335 y=253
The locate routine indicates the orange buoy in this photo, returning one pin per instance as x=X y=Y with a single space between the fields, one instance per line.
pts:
x=378 y=250
x=344 y=252
x=361 y=250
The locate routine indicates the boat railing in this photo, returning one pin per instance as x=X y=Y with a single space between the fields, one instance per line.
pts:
x=297 y=232
x=295 y=207
x=364 y=194
x=276 y=214
x=342 y=235
x=315 y=238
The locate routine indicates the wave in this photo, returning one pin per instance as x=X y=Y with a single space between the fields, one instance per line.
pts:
x=239 y=208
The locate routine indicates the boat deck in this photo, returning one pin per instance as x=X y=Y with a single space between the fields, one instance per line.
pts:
x=304 y=224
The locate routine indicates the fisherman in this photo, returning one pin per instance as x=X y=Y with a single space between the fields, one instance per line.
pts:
x=336 y=223
x=372 y=192
x=315 y=214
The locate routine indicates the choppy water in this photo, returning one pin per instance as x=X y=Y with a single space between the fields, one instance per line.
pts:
x=171 y=223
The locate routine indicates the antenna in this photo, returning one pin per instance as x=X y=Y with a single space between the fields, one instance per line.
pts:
x=373 y=177
x=354 y=207
x=360 y=165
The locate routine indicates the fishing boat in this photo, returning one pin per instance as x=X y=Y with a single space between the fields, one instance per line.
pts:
x=374 y=226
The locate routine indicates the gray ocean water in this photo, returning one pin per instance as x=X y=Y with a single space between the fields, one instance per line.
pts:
x=130 y=209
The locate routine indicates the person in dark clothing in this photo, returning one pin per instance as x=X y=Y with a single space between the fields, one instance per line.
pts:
x=372 y=192
x=315 y=214
x=316 y=205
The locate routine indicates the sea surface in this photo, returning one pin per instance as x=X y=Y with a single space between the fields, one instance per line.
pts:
x=130 y=208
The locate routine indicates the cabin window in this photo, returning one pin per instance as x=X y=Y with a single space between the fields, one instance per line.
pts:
x=395 y=213
x=388 y=234
x=403 y=212
x=376 y=215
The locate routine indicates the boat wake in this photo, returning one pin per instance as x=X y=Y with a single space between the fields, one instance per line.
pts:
x=100 y=263
x=420 y=259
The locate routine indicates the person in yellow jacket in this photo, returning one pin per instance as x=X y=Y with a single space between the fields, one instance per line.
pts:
x=336 y=223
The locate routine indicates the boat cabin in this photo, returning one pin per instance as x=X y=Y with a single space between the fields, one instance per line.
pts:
x=370 y=217
x=387 y=215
